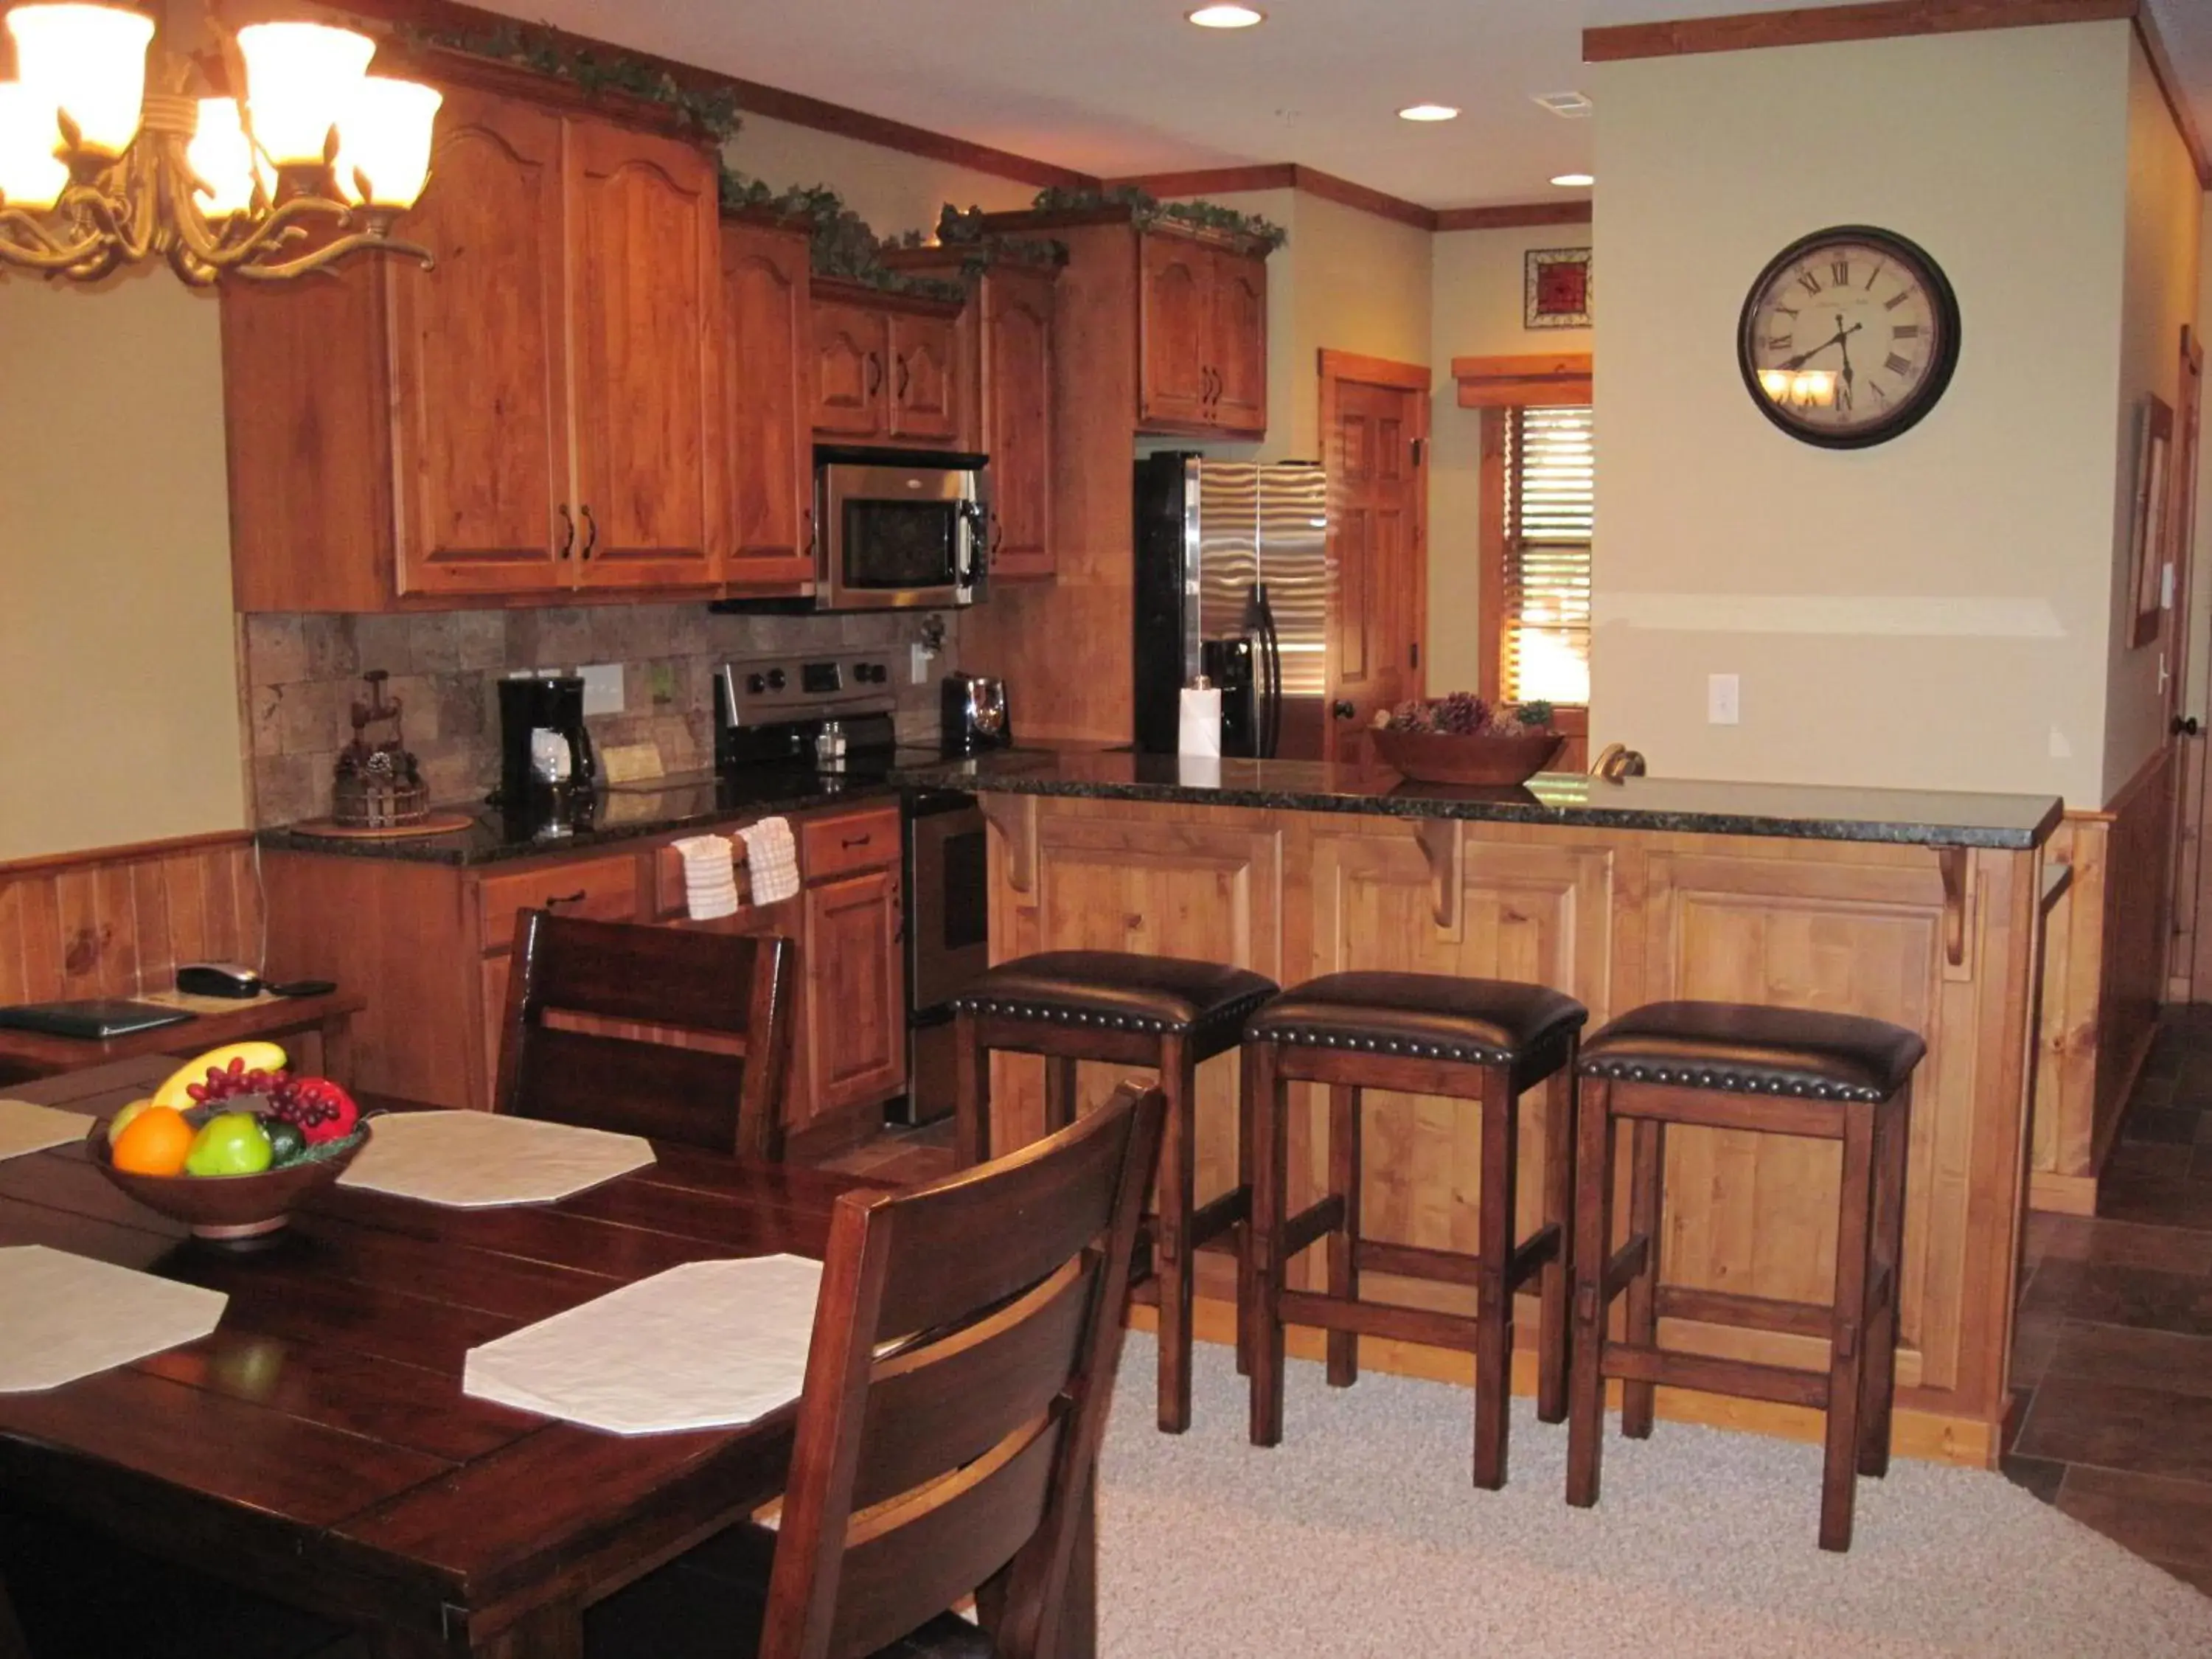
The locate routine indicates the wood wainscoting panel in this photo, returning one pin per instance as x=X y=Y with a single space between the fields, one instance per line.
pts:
x=116 y=923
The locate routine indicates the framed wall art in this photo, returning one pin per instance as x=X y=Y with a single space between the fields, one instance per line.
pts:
x=1556 y=291
x=2149 y=552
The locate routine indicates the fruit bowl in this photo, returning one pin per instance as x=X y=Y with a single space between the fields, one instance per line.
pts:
x=1456 y=757
x=233 y=1206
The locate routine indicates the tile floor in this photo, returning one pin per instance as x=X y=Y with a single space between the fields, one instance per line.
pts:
x=2112 y=1361
x=2112 y=1358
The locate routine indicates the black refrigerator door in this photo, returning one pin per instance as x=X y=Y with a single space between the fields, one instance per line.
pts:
x=1233 y=667
x=1163 y=623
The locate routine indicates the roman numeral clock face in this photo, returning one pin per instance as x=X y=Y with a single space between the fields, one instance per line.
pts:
x=1848 y=336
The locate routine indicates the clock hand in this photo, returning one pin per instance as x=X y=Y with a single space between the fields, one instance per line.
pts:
x=1804 y=357
x=1843 y=392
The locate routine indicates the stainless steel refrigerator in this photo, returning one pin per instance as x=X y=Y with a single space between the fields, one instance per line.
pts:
x=1233 y=582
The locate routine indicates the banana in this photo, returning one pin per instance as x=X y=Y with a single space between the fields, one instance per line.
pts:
x=257 y=1056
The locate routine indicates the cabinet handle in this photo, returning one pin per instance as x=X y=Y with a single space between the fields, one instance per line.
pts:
x=591 y=530
x=568 y=533
x=904 y=377
x=806 y=531
x=875 y=377
x=998 y=534
x=851 y=842
x=576 y=897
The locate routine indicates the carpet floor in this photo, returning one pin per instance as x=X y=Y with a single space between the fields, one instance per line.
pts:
x=1363 y=1535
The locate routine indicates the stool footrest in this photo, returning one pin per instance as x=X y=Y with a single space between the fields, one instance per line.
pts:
x=1625 y=1264
x=1212 y=1219
x=1753 y=1313
x=1309 y=1227
x=1743 y=1378
x=1415 y=1261
x=1426 y=1326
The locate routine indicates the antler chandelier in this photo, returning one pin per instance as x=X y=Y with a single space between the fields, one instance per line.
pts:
x=99 y=170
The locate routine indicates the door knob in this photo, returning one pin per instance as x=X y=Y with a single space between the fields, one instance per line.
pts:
x=2186 y=725
x=1344 y=709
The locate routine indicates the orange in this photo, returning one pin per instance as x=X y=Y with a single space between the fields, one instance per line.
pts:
x=153 y=1143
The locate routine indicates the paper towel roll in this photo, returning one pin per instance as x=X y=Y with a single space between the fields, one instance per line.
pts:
x=1200 y=732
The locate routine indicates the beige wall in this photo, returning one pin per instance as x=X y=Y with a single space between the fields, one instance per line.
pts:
x=117 y=671
x=893 y=191
x=1932 y=611
x=2165 y=211
x=1477 y=278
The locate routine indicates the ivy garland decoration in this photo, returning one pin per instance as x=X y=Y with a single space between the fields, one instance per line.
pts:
x=713 y=113
x=842 y=245
x=1146 y=209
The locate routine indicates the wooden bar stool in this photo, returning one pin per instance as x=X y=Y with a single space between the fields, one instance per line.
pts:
x=1425 y=1034
x=1778 y=1070
x=1120 y=1007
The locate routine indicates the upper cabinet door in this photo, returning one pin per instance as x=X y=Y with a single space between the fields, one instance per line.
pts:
x=645 y=241
x=1174 y=309
x=1239 y=353
x=479 y=370
x=1018 y=309
x=925 y=401
x=765 y=312
x=851 y=344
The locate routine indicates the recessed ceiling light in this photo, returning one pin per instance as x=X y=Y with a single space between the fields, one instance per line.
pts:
x=1572 y=105
x=1226 y=16
x=1428 y=112
x=1573 y=181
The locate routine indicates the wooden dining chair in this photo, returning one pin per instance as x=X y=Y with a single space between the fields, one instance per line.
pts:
x=964 y=1350
x=659 y=1031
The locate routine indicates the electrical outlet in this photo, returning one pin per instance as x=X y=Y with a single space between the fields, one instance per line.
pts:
x=602 y=688
x=1723 y=706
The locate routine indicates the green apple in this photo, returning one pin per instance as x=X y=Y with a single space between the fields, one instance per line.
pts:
x=228 y=1144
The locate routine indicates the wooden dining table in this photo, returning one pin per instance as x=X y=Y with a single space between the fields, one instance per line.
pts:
x=317 y=1448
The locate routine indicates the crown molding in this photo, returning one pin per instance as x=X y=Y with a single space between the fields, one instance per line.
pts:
x=1823 y=25
x=1514 y=214
x=1281 y=175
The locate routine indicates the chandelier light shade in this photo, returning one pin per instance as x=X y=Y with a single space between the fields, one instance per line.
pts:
x=106 y=160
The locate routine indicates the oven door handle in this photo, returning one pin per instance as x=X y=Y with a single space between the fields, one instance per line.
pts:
x=968 y=554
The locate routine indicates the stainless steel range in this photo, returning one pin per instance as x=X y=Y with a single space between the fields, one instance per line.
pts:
x=792 y=726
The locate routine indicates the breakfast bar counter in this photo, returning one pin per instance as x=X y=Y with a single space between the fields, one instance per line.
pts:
x=1925 y=908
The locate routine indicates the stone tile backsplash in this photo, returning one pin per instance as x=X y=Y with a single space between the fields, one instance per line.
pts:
x=303 y=675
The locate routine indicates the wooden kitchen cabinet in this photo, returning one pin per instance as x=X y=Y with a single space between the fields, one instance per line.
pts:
x=540 y=413
x=767 y=324
x=1202 y=336
x=850 y=1051
x=1006 y=353
x=886 y=369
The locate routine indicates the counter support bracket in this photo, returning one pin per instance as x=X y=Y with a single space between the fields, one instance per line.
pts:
x=1015 y=817
x=1956 y=864
x=1443 y=843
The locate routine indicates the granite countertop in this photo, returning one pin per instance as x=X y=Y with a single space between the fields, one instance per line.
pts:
x=1812 y=812
x=629 y=813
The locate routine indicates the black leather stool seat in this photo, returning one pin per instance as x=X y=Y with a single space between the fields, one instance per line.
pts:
x=1470 y=1022
x=1205 y=1003
x=1743 y=1048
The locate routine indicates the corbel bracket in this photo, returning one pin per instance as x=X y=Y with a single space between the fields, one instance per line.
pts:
x=1442 y=844
x=1015 y=818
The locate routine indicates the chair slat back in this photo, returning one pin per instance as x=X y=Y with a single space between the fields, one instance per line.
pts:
x=659 y=1031
x=964 y=1351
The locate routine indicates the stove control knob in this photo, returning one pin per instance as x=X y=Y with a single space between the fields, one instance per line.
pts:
x=756 y=683
x=776 y=679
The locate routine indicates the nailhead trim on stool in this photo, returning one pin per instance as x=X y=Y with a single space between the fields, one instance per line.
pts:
x=1230 y=1014
x=1727 y=1082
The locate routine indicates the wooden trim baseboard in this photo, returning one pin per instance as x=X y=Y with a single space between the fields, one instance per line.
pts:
x=1281 y=175
x=1513 y=214
x=753 y=97
x=1877 y=20
x=129 y=852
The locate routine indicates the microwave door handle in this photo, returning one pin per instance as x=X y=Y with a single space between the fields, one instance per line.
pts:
x=968 y=550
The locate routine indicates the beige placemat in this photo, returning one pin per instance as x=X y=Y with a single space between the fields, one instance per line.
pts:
x=67 y=1317
x=473 y=1159
x=707 y=1344
x=25 y=1127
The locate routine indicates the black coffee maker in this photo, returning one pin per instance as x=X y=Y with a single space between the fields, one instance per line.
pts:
x=545 y=754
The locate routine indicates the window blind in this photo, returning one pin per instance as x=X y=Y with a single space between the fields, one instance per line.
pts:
x=1549 y=500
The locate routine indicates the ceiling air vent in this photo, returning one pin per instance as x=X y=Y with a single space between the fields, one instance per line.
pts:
x=1570 y=105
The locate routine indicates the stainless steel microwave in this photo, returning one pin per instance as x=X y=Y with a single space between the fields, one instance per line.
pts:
x=898 y=529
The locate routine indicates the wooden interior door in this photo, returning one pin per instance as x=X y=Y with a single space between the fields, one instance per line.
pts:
x=1174 y=330
x=1018 y=308
x=1239 y=355
x=1374 y=440
x=2190 y=962
x=767 y=444
x=850 y=344
x=480 y=360
x=645 y=234
x=925 y=387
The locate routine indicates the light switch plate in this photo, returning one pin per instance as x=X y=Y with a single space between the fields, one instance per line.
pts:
x=918 y=657
x=1723 y=706
x=602 y=688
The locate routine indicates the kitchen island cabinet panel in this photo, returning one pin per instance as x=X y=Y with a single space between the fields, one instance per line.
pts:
x=1928 y=920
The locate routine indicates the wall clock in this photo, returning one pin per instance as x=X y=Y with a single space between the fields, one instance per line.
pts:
x=1848 y=336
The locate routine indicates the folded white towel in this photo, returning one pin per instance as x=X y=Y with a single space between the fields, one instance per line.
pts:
x=710 y=882
x=771 y=861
